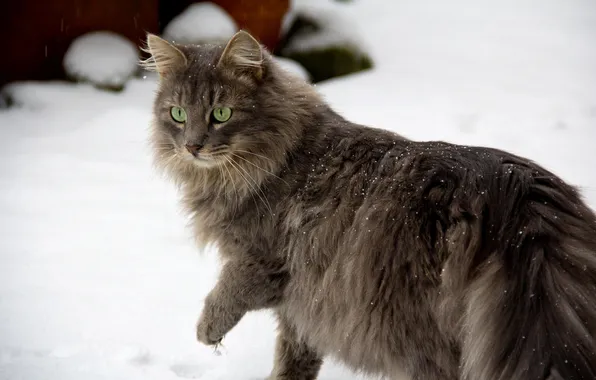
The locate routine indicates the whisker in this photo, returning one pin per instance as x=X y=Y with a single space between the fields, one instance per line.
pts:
x=254 y=187
x=167 y=161
x=219 y=149
x=230 y=161
x=254 y=154
x=257 y=188
x=258 y=167
x=237 y=201
x=223 y=179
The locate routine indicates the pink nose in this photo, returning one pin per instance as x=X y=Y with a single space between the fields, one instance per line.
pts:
x=193 y=149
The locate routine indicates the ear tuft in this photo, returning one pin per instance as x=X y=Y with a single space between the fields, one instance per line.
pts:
x=165 y=57
x=244 y=55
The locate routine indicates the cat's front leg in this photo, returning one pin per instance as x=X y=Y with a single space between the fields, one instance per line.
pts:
x=245 y=284
x=218 y=318
x=294 y=359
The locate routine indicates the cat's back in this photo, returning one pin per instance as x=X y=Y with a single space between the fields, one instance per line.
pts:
x=367 y=165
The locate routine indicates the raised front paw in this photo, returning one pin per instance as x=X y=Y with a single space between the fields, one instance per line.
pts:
x=206 y=333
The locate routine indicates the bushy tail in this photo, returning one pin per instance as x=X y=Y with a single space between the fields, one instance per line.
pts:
x=530 y=303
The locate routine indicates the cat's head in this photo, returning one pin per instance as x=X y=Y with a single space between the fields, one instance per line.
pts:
x=223 y=106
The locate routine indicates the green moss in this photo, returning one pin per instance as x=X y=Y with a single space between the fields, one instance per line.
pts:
x=111 y=88
x=6 y=100
x=324 y=62
x=103 y=87
x=331 y=62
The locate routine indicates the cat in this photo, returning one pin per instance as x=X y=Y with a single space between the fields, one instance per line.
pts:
x=429 y=259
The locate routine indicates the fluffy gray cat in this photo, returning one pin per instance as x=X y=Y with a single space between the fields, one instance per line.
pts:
x=435 y=260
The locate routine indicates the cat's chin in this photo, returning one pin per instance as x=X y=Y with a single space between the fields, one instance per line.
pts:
x=200 y=162
x=204 y=163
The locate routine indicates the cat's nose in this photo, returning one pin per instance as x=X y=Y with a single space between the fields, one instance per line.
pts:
x=193 y=149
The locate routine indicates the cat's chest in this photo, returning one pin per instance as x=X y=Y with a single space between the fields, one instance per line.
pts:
x=236 y=230
x=326 y=313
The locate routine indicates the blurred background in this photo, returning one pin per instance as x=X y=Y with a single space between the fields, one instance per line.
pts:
x=99 y=277
x=52 y=27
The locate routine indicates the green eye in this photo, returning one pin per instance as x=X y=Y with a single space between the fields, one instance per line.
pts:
x=178 y=114
x=222 y=114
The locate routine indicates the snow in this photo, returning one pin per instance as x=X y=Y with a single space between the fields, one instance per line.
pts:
x=99 y=277
x=199 y=23
x=103 y=58
x=292 y=67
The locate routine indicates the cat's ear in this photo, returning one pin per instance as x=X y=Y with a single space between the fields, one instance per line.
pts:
x=243 y=55
x=165 y=57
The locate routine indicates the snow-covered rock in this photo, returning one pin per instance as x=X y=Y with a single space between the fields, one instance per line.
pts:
x=293 y=67
x=324 y=38
x=103 y=58
x=200 y=23
x=332 y=27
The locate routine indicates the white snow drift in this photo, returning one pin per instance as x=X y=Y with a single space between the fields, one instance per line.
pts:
x=293 y=67
x=102 y=58
x=201 y=22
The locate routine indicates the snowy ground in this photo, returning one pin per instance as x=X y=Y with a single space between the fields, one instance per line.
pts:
x=98 y=275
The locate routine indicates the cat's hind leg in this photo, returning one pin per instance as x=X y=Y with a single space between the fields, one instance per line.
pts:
x=294 y=359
